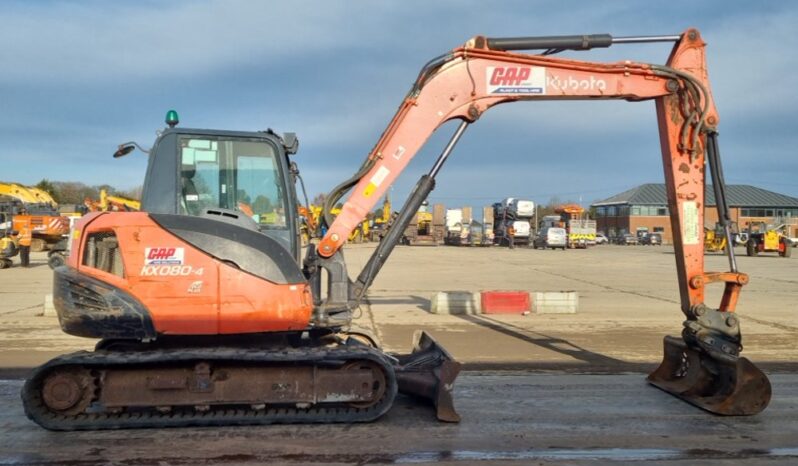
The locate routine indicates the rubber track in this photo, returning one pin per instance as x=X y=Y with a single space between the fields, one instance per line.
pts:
x=36 y=410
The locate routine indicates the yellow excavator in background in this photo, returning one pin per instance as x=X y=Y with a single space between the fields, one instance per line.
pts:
x=43 y=197
x=37 y=209
x=112 y=203
x=312 y=223
x=17 y=191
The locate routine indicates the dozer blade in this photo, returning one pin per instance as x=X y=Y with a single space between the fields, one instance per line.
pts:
x=731 y=386
x=429 y=372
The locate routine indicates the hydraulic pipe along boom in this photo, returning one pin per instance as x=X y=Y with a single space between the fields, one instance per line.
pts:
x=578 y=42
x=719 y=188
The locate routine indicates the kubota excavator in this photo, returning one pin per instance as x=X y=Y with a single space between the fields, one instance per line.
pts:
x=208 y=315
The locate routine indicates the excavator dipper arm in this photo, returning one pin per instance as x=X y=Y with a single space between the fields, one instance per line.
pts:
x=703 y=367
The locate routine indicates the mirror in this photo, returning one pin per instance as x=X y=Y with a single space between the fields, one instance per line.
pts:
x=124 y=149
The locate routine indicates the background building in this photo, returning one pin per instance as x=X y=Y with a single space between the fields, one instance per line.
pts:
x=645 y=208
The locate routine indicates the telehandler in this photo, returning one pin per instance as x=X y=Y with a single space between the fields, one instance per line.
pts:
x=764 y=238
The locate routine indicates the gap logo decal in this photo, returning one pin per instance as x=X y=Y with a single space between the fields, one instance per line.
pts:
x=516 y=79
x=163 y=256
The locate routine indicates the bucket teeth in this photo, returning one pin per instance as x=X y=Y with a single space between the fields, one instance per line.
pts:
x=429 y=373
x=731 y=386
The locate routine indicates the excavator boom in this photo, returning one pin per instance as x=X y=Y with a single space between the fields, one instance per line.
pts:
x=466 y=82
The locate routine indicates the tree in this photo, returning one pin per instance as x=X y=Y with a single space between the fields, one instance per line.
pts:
x=48 y=187
x=318 y=199
x=74 y=192
x=132 y=193
x=262 y=205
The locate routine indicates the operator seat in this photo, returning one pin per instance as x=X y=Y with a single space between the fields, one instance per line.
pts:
x=189 y=195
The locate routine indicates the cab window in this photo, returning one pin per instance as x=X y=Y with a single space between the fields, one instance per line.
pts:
x=234 y=174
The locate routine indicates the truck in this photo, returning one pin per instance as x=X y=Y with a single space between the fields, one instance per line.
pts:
x=515 y=212
x=581 y=230
x=426 y=228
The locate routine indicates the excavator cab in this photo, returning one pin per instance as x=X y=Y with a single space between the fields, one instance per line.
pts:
x=241 y=177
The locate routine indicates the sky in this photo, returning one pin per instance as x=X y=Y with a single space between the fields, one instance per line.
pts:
x=78 y=78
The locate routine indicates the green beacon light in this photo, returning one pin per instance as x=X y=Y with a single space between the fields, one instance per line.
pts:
x=172 y=119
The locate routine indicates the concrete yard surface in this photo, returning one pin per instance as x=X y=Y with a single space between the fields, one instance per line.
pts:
x=507 y=418
x=554 y=388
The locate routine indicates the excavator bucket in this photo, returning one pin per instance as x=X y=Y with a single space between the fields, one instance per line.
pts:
x=732 y=386
x=429 y=373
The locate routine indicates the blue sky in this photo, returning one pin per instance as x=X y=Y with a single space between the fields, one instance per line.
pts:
x=80 y=77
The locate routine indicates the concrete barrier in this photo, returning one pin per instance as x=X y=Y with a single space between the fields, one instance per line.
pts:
x=505 y=302
x=455 y=302
x=555 y=302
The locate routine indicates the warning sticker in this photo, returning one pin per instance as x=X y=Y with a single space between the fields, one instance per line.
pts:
x=400 y=151
x=690 y=223
x=379 y=177
x=376 y=181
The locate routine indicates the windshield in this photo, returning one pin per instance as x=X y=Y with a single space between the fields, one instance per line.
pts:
x=232 y=174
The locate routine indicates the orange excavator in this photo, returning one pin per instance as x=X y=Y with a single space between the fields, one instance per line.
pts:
x=209 y=315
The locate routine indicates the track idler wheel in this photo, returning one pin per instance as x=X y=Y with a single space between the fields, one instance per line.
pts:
x=429 y=373
x=68 y=392
x=378 y=386
x=731 y=386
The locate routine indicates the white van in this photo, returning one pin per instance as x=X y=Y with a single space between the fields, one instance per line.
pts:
x=551 y=237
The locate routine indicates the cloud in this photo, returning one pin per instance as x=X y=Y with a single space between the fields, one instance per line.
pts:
x=79 y=78
x=101 y=42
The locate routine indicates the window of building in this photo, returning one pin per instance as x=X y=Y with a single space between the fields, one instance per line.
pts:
x=612 y=211
x=650 y=211
x=768 y=212
x=659 y=229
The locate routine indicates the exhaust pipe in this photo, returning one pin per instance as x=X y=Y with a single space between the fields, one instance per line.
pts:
x=429 y=372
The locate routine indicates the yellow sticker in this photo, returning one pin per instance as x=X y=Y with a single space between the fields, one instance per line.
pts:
x=76 y=234
x=369 y=190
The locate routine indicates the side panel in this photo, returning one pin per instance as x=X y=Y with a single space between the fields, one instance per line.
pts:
x=188 y=292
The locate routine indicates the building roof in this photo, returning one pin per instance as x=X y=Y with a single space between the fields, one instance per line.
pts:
x=739 y=195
